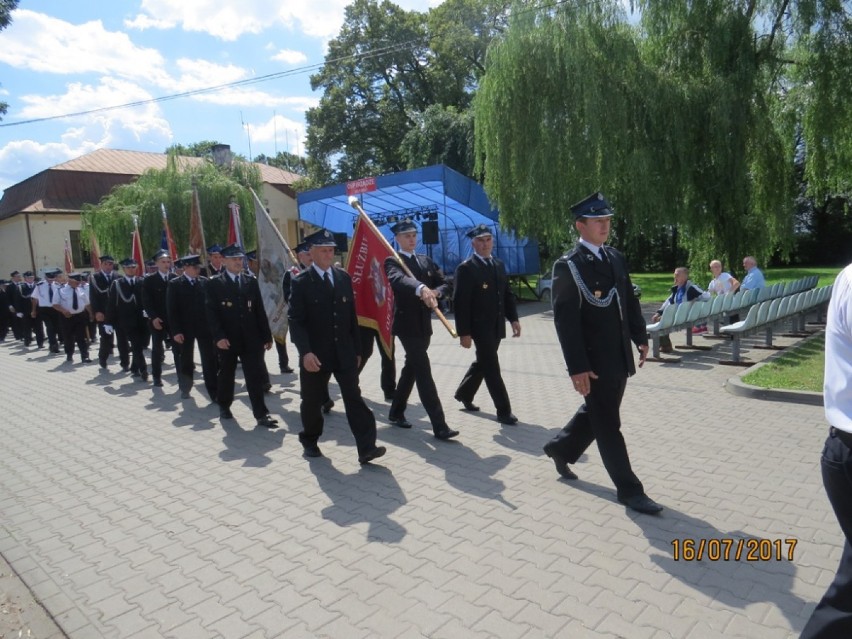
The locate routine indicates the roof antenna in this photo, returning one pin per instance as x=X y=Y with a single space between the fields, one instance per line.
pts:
x=248 y=135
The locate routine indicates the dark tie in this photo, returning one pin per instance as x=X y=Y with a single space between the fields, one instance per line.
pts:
x=414 y=265
x=192 y=282
x=602 y=255
x=74 y=303
x=327 y=281
x=50 y=292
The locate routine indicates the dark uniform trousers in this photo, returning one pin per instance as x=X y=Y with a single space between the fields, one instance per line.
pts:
x=254 y=372
x=137 y=336
x=369 y=337
x=75 y=331
x=185 y=364
x=314 y=392
x=418 y=368
x=158 y=350
x=52 y=320
x=599 y=420
x=106 y=345
x=832 y=617
x=485 y=367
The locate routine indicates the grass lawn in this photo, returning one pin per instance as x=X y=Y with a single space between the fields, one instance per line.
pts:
x=800 y=369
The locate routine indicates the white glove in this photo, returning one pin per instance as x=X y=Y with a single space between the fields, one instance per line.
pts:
x=107 y=329
x=19 y=314
x=145 y=314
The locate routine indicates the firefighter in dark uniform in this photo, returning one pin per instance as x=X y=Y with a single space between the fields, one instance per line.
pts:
x=187 y=322
x=241 y=333
x=29 y=322
x=154 y=301
x=43 y=299
x=482 y=303
x=597 y=316
x=13 y=292
x=324 y=329
x=125 y=318
x=215 y=264
x=99 y=284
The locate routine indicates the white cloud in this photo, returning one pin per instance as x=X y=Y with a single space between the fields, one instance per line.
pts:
x=288 y=56
x=199 y=74
x=253 y=98
x=41 y=43
x=287 y=134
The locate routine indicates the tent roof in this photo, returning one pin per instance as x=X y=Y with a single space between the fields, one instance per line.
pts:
x=459 y=202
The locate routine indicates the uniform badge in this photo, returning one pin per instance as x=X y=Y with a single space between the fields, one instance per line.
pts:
x=249 y=304
x=484 y=285
x=229 y=303
x=598 y=294
x=344 y=299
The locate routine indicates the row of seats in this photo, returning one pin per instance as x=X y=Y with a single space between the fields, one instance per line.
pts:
x=768 y=314
x=678 y=317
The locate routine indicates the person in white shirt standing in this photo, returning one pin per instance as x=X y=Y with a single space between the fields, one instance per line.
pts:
x=722 y=282
x=832 y=617
x=73 y=304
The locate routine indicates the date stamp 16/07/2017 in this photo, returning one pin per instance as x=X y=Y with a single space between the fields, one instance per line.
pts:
x=731 y=549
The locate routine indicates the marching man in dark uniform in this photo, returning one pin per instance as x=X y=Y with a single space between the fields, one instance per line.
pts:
x=187 y=314
x=13 y=292
x=72 y=301
x=216 y=264
x=414 y=299
x=241 y=332
x=482 y=303
x=125 y=315
x=154 y=300
x=597 y=316
x=29 y=321
x=99 y=284
x=44 y=298
x=324 y=328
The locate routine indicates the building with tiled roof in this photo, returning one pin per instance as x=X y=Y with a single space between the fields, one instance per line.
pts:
x=40 y=213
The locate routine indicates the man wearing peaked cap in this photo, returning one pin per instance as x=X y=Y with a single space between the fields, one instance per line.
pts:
x=215 y=265
x=73 y=304
x=45 y=316
x=597 y=316
x=13 y=293
x=324 y=328
x=99 y=284
x=240 y=329
x=25 y=311
x=482 y=302
x=415 y=296
x=187 y=323
x=125 y=316
x=154 y=302
x=5 y=316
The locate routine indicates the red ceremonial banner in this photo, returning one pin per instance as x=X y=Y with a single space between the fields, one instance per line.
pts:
x=373 y=294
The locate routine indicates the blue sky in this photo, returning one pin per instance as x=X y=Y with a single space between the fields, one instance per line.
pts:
x=60 y=57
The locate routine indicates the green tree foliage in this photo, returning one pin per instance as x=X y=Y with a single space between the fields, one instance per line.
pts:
x=686 y=120
x=440 y=135
x=6 y=8
x=201 y=149
x=383 y=73
x=285 y=160
x=111 y=221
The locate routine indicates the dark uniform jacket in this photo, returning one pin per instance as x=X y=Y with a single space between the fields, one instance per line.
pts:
x=322 y=322
x=124 y=305
x=594 y=338
x=237 y=314
x=23 y=299
x=186 y=306
x=154 y=295
x=482 y=301
x=411 y=317
x=99 y=284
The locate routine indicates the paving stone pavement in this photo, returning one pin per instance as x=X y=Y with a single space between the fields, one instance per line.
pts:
x=131 y=513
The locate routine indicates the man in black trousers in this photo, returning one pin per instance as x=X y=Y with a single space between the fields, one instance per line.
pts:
x=124 y=316
x=597 y=316
x=415 y=296
x=482 y=303
x=154 y=300
x=241 y=332
x=324 y=328
x=187 y=322
x=99 y=284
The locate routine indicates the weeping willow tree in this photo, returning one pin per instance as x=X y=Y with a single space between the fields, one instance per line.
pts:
x=683 y=119
x=111 y=221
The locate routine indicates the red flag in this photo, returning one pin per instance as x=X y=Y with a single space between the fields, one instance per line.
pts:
x=197 y=244
x=136 y=250
x=168 y=241
x=373 y=294
x=69 y=261
x=234 y=233
x=95 y=253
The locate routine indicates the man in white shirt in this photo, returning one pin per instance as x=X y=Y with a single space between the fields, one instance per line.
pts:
x=832 y=617
x=73 y=304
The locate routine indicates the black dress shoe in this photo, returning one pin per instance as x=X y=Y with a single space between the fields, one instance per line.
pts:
x=561 y=464
x=126 y=369
x=641 y=504
x=225 y=413
x=327 y=406
x=267 y=388
x=267 y=421
x=311 y=450
x=69 y=358
x=447 y=433
x=468 y=406
x=509 y=419
x=184 y=394
x=388 y=397
x=400 y=421
x=286 y=369
x=158 y=382
x=144 y=376
x=377 y=452
x=102 y=363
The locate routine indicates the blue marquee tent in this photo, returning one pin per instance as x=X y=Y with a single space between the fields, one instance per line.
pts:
x=431 y=193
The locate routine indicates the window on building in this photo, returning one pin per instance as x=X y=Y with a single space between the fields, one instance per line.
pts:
x=82 y=258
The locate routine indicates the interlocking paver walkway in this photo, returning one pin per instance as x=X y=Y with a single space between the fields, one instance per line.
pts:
x=131 y=513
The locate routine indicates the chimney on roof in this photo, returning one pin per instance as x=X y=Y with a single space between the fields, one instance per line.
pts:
x=221 y=154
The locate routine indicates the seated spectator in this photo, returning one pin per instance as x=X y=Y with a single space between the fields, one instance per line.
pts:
x=682 y=291
x=754 y=276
